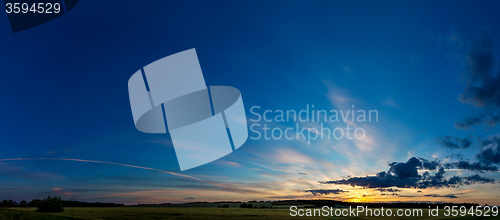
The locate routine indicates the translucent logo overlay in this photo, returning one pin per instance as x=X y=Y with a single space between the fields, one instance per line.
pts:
x=205 y=123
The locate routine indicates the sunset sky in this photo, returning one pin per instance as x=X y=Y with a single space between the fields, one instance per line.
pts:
x=429 y=68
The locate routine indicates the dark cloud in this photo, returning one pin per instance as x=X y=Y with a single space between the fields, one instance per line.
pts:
x=469 y=180
x=388 y=190
x=325 y=191
x=389 y=194
x=469 y=122
x=494 y=119
x=489 y=153
x=405 y=175
x=454 y=142
x=429 y=165
x=457 y=156
x=465 y=165
x=480 y=58
x=406 y=170
x=382 y=179
x=483 y=88
x=429 y=180
x=452 y=196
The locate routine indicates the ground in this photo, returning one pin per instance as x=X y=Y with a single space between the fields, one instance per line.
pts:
x=166 y=213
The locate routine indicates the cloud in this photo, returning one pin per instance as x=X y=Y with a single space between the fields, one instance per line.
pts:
x=388 y=190
x=405 y=175
x=390 y=102
x=27 y=173
x=405 y=170
x=494 y=119
x=454 y=142
x=325 y=191
x=429 y=165
x=388 y=194
x=381 y=179
x=39 y=175
x=480 y=58
x=469 y=180
x=60 y=191
x=104 y=162
x=457 y=156
x=489 y=153
x=469 y=122
x=483 y=88
x=476 y=166
x=451 y=196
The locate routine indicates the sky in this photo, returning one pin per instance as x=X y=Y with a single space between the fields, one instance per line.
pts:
x=430 y=70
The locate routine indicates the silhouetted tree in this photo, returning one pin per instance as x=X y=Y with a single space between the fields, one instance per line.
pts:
x=51 y=204
x=8 y=203
x=23 y=204
x=34 y=203
x=67 y=203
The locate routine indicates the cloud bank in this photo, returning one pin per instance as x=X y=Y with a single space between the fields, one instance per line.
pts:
x=483 y=87
x=405 y=175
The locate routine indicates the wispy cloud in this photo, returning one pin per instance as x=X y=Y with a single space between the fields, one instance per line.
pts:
x=390 y=102
x=235 y=189
x=60 y=191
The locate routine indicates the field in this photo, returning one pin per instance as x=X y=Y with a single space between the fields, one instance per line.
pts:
x=172 y=213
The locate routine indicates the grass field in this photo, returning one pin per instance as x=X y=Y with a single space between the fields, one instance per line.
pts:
x=176 y=213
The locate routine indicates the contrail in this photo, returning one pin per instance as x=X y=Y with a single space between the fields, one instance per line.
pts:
x=128 y=165
x=113 y=163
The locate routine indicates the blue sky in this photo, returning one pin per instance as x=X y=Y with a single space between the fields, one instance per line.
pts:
x=63 y=94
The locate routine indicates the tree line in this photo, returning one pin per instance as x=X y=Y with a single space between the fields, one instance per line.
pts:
x=65 y=203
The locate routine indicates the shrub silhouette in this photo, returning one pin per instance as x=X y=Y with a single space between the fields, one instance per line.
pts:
x=247 y=205
x=23 y=204
x=51 y=204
